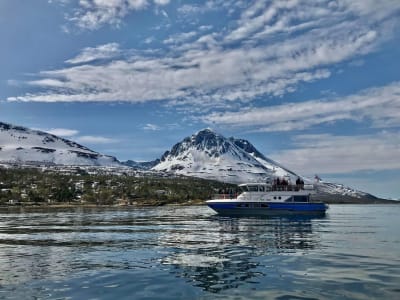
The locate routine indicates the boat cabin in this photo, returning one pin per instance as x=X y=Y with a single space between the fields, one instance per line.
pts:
x=268 y=187
x=274 y=193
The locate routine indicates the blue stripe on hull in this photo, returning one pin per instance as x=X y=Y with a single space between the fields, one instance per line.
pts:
x=267 y=208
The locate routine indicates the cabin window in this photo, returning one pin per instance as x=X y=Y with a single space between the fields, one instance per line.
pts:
x=253 y=188
x=244 y=188
x=261 y=189
x=275 y=197
x=300 y=198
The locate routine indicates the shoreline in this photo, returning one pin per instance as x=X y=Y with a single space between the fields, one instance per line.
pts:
x=64 y=207
x=16 y=208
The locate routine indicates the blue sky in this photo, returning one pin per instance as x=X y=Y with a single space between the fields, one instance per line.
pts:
x=314 y=85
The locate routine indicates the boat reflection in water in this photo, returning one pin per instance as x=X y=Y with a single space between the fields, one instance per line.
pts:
x=238 y=251
x=124 y=254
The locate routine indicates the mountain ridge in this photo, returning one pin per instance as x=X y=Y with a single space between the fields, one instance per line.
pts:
x=20 y=144
x=205 y=154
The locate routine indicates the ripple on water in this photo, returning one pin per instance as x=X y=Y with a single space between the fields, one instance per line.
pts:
x=191 y=253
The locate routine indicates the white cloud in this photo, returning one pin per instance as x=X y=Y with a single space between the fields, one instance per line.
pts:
x=342 y=154
x=92 y=14
x=74 y=135
x=152 y=127
x=203 y=67
x=371 y=8
x=95 y=139
x=190 y=9
x=63 y=132
x=180 y=37
x=89 y=54
x=161 y=2
x=265 y=18
x=232 y=74
x=380 y=105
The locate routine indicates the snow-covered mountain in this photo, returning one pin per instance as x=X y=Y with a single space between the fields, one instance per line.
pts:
x=22 y=145
x=326 y=190
x=205 y=154
x=209 y=155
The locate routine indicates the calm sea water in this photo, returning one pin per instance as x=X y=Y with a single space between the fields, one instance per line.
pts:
x=191 y=253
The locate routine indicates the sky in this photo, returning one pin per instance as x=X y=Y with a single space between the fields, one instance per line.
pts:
x=314 y=85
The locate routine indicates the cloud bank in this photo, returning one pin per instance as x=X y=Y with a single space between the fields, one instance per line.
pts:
x=342 y=154
x=63 y=132
x=74 y=134
x=380 y=106
x=93 y=14
x=269 y=50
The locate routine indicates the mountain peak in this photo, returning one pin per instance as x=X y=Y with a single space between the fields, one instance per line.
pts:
x=205 y=134
x=23 y=145
x=206 y=131
x=208 y=154
x=207 y=139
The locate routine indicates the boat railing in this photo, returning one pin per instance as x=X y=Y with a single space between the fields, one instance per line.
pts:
x=267 y=188
x=225 y=196
x=288 y=187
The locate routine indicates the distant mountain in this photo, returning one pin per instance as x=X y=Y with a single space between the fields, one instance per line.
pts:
x=141 y=165
x=22 y=145
x=209 y=155
x=338 y=193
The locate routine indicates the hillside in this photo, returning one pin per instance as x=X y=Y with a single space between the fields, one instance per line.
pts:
x=22 y=145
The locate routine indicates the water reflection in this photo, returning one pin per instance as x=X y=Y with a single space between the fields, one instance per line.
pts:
x=190 y=253
x=207 y=252
x=225 y=252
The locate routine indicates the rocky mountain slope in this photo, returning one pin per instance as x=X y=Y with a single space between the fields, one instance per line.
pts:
x=22 y=145
x=209 y=155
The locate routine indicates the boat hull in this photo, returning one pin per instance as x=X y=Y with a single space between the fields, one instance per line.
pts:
x=267 y=208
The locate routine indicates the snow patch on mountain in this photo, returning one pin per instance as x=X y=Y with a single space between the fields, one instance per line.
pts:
x=278 y=169
x=22 y=145
x=323 y=187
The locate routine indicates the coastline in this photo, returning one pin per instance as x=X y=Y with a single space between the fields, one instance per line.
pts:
x=65 y=206
x=149 y=204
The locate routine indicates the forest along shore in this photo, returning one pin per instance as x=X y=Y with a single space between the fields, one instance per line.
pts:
x=44 y=188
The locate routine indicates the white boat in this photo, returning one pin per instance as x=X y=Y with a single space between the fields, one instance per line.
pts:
x=268 y=199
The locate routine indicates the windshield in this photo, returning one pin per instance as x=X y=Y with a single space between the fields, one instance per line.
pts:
x=243 y=189
x=249 y=188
